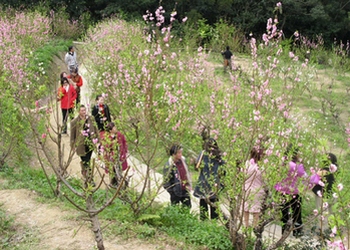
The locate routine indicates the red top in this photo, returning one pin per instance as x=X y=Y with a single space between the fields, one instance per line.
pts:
x=110 y=147
x=183 y=174
x=77 y=79
x=67 y=98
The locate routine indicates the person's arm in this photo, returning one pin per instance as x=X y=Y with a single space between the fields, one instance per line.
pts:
x=66 y=59
x=168 y=177
x=60 y=93
x=79 y=83
x=94 y=113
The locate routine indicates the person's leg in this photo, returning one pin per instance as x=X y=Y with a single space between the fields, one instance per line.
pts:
x=64 y=120
x=203 y=209
x=85 y=159
x=186 y=200
x=229 y=64
x=296 y=211
x=174 y=199
x=213 y=208
x=285 y=214
x=77 y=101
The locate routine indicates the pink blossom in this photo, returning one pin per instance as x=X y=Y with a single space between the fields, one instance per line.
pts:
x=335 y=195
x=315 y=212
x=319 y=193
x=184 y=19
x=43 y=136
x=94 y=141
x=333 y=168
x=279 y=4
x=321 y=183
x=325 y=205
x=340 y=187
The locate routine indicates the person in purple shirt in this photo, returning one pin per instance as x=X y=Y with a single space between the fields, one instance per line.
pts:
x=288 y=188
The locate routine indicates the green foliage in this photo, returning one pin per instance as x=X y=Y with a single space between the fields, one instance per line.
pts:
x=66 y=28
x=6 y=223
x=26 y=177
x=13 y=142
x=183 y=226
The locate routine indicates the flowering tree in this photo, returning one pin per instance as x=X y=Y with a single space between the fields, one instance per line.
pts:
x=150 y=88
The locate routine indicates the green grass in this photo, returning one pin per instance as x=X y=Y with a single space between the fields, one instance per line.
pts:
x=43 y=56
x=157 y=222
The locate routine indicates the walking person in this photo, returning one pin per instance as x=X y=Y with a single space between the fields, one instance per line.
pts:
x=78 y=83
x=71 y=60
x=253 y=187
x=83 y=132
x=177 y=179
x=209 y=185
x=66 y=95
x=227 y=54
x=288 y=188
x=115 y=152
x=101 y=113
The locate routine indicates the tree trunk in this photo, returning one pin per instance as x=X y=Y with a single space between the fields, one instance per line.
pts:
x=96 y=227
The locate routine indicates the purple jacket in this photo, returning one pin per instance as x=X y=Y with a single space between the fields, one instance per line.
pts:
x=289 y=185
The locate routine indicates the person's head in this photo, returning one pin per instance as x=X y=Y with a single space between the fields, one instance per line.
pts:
x=176 y=152
x=256 y=154
x=64 y=81
x=99 y=99
x=74 y=72
x=331 y=159
x=82 y=111
x=227 y=47
x=71 y=49
x=63 y=74
x=111 y=127
x=211 y=146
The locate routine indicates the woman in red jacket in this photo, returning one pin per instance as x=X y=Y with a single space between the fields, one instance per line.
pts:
x=78 y=81
x=67 y=95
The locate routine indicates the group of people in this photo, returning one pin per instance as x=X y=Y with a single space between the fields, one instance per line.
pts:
x=291 y=201
x=87 y=132
x=69 y=91
x=90 y=133
x=177 y=181
x=177 y=178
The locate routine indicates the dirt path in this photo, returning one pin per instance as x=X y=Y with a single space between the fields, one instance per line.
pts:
x=57 y=228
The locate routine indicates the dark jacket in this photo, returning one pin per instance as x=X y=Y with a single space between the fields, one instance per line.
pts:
x=98 y=115
x=209 y=184
x=329 y=180
x=227 y=54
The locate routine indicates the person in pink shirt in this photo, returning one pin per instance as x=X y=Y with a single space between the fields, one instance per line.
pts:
x=253 y=187
x=288 y=188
